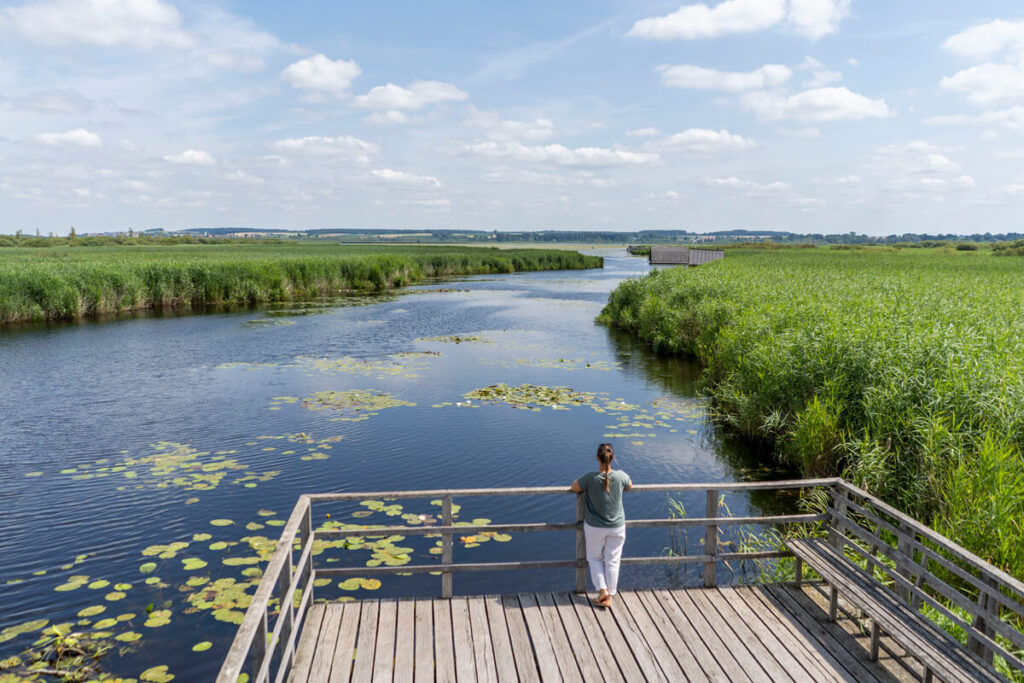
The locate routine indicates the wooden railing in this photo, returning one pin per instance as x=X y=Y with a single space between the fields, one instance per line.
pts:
x=932 y=573
x=264 y=649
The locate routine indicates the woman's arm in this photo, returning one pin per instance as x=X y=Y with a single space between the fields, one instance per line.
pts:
x=576 y=487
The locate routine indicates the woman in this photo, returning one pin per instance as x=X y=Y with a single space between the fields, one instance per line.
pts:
x=604 y=522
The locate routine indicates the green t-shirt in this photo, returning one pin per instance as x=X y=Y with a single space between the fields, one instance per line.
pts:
x=604 y=508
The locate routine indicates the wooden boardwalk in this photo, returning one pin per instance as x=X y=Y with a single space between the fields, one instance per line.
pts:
x=755 y=633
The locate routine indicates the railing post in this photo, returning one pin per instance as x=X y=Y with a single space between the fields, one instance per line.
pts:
x=905 y=553
x=711 y=540
x=581 y=547
x=446 y=547
x=306 y=534
x=838 y=512
x=286 y=609
x=988 y=610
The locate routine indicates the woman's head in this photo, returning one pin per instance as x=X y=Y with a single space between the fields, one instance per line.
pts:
x=605 y=455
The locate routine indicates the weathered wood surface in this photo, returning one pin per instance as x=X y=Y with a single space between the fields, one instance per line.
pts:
x=753 y=633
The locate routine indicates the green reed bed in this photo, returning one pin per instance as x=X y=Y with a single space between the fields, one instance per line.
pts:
x=903 y=371
x=75 y=282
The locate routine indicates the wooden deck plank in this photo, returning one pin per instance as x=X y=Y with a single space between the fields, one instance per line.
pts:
x=345 y=649
x=746 y=659
x=564 y=647
x=307 y=644
x=366 y=641
x=831 y=636
x=323 y=656
x=424 y=648
x=483 y=647
x=609 y=629
x=405 y=638
x=522 y=651
x=587 y=658
x=691 y=623
x=692 y=655
x=543 y=648
x=756 y=646
x=636 y=609
x=636 y=641
x=504 y=661
x=462 y=634
x=384 y=651
x=444 y=649
x=772 y=628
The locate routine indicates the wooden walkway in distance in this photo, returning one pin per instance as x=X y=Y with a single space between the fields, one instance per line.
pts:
x=753 y=633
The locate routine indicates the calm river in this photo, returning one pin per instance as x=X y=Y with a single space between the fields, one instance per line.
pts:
x=149 y=461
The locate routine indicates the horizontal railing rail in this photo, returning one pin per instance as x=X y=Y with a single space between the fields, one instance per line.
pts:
x=263 y=649
x=932 y=573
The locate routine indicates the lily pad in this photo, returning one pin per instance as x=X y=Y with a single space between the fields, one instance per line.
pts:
x=156 y=674
x=147 y=567
x=92 y=611
x=193 y=563
x=221 y=522
x=128 y=637
x=202 y=647
x=114 y=596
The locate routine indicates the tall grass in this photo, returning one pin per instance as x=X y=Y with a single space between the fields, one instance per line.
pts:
x=902 y=371
x=64 y=282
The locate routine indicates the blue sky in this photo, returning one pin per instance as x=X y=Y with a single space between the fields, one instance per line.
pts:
x=805 y=115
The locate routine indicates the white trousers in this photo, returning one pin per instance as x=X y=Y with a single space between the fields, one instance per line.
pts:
x=604 y=551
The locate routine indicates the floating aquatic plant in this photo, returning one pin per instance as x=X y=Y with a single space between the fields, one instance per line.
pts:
x=356 y=401
x=457 y=339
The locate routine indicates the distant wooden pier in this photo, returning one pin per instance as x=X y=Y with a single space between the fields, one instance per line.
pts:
x=682 y=256
x=865 y=613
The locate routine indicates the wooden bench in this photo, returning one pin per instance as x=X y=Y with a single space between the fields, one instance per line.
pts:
x=938 y=651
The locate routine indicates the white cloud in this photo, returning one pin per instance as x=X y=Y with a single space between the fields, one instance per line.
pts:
x=701 y=21
x=821 y=104
x=57 y=100
x=145 y=24
x=988 y=83
x=810 y=18
x=388 y=175
x=704 y=141
x=561 y=155
x=689 y=76
x=1015 y=190
x=817 y=18
x=79 y=137
x=988 y=40
x=497 y=128
x=416 y=96
x=1010 y=118
x=648 y=132
x=749 y=187
x=320 y=74
x=807 y=203
x=384 y=118
x=194 y=157
x=822 y=78
x=243 y=178
x=431 y=203
x=547 y=179
x=344 y=146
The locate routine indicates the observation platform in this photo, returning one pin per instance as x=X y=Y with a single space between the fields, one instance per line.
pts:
x=794 y=626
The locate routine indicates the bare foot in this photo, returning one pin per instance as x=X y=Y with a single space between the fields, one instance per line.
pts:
x=607 y=602
x=602 y=599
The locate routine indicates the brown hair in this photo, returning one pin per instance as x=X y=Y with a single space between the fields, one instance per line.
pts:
x=605 y=455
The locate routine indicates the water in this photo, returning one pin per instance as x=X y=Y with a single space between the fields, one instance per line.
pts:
x=86 y=486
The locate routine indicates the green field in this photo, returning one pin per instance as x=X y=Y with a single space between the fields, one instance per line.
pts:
x=902 y=371
x=74 y=282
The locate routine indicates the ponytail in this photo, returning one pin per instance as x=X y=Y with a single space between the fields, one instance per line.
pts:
x=605 y=455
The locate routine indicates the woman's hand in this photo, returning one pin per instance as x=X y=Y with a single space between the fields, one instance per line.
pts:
x=576 y=487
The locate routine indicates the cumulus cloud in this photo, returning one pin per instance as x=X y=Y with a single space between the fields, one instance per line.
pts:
x=648 y=132
x=344 y=146
x=193 y=157
x=320 y=74
x=822 y=78
x=547 y=179
x=388 y=175
x=384 y=118
x=79 y=137
x=697 y=77
x=820 y=104
x=497 y=128
x=241 y=177
x=561 y=155
x=1010 y=118
x=816 y=18
x=810 y=18
x=701 y=21
x=988 y=83
x=144 y=24
x=703 y=141
x=747 y=186
x=416 y=96
x=986 y=41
